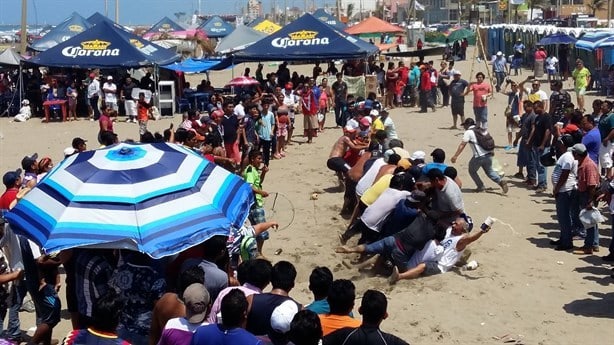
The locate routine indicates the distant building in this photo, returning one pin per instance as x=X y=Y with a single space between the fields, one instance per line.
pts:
x=436 y=11
x=359 y=6
x=254 y=9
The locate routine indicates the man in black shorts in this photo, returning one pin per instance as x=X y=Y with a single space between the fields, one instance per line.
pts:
x=457 y=91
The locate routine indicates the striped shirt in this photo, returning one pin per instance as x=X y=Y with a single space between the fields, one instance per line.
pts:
x=588 y=174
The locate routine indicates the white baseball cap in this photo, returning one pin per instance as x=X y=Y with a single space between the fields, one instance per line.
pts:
x=499 y=53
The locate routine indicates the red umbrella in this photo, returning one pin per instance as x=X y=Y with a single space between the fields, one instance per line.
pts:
x=243 y=81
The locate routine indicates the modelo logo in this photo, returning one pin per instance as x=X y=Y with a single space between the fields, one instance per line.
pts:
x=90 y=48
x=75 y=28
x=300 y=38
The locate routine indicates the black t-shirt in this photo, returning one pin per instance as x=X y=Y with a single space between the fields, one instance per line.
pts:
x=127 y=88
x=363 y=335
x=340 y=88
x=457 y=89
x=417 y=234
x=231 y=127
x=542 y=124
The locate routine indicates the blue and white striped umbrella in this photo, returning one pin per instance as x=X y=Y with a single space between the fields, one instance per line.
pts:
x=155 y=198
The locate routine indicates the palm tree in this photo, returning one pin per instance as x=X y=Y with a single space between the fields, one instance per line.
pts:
x=597 y=5
x=349 y=12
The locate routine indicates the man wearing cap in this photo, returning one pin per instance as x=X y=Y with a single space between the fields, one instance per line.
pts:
x=79 y=144
x=517 y=59
x=499 y=68
x=438 y=258
x=481 y=158
x=12 y=182
x=29 y=165
x=109 y=89
x=588 y=183
x=565 y=192
x=457 y=89
x=93 y=96
x=179 y=331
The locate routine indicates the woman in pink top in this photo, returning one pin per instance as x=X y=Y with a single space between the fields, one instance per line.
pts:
x=481 y=91
x=106 y=122
x=540 y=57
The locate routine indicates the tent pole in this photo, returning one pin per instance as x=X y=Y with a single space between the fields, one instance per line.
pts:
x=20 y=83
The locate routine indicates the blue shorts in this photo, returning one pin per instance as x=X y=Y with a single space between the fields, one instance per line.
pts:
x=388 y=248
x=48 y=306
x=257 y=216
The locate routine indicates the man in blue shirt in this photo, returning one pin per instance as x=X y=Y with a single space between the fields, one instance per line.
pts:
x=499 y=68
x=320 y=281
x=230 y=331
x=592 y=138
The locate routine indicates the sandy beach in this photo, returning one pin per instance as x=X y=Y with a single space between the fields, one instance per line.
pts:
x=522 y=289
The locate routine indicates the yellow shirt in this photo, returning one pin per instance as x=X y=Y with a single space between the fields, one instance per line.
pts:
x=580 y=77
x=377 y=125
x=373 y=192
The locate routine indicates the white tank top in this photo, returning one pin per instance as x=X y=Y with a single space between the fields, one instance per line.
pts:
x=450 y=255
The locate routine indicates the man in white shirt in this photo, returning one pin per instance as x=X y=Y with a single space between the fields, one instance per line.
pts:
x=534 y=93
x=438 y=258
x=482 y=158
x=110 y=93
x=551 y=66
x=93 y=95
x=564 y=180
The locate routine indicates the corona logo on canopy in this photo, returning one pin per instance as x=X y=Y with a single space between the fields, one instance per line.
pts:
x=300 y=38
x=75 y=28
x=90 y=48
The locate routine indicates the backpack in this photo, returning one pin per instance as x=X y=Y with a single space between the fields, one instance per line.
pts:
x=484 y=139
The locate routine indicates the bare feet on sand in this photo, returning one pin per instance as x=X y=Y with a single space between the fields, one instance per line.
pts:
x=394 y=277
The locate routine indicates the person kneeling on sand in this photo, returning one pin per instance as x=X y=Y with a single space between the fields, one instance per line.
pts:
x=438 y=258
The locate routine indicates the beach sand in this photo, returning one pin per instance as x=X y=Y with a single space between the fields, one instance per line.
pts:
x=522 y=289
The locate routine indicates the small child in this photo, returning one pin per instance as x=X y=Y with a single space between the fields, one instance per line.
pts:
x=242 y=242
x=143 y=113
x=281 y=132
x=24 y=112
x=323 y=108
x=254 y=177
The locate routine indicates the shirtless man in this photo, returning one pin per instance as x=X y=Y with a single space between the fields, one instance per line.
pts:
x=335 y=161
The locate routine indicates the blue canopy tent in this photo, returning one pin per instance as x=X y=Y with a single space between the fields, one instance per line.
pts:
x=216 y=27
x=164 y=25
x=105 y=46
x=98 y=18
x=198 y=66
x=71 y=26
x=557 y=38
x=327 y=18
x=306 y=38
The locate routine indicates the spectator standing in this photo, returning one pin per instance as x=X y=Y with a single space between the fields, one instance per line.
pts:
x=129 y=103
x=340 y=92
x=109 y=89
x=588 y=183
x=457 y=89
x=499 y=68
x=93 y=96
x=481 y=91
x=581 y=80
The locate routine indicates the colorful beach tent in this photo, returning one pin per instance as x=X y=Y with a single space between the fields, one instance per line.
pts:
x=266 y=26
x=9 y=57
x=71 y=26
x=241 y=38
x=306 y=38
x=373 y=25
x=105 y=46
x=327 y=18
x=165 y=25
x=589 y=40
x=216 y=27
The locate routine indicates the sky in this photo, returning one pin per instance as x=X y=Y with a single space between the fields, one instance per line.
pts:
x=132 y=12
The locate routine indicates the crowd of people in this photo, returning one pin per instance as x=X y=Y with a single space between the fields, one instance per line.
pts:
x=408 y=210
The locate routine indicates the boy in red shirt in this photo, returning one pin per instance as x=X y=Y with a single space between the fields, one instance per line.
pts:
x=143 y=113
x=12 y=181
